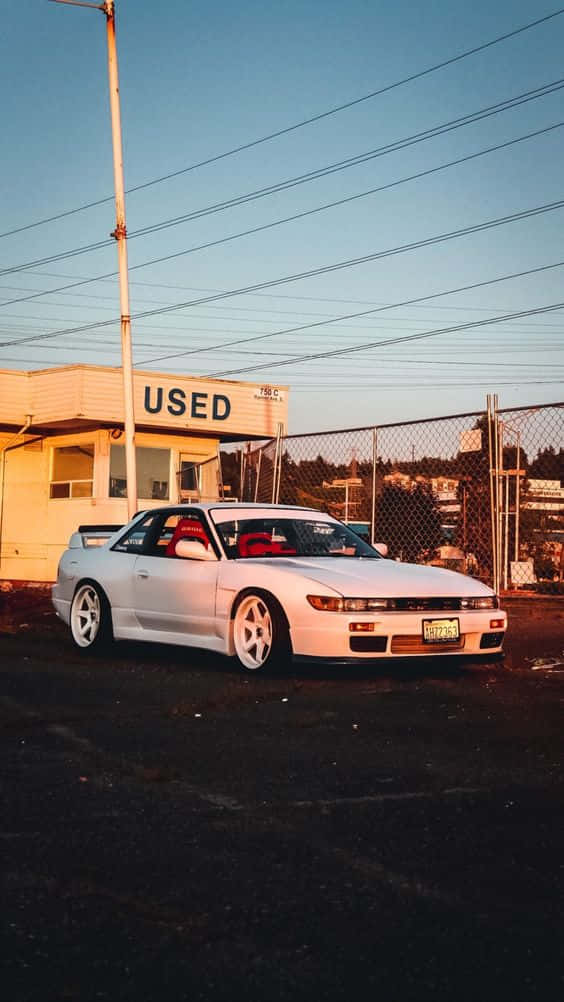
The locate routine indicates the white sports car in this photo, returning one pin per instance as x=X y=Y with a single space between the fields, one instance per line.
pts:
x=263 y=583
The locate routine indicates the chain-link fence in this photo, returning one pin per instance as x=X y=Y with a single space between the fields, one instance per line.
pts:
x=481 y=493
x=530 y=498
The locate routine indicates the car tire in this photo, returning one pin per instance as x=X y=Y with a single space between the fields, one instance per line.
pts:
x=260 y=632
x=90 y=619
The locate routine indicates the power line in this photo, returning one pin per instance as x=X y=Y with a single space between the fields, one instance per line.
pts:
x=158 y=330
x=326 y=269
x=429 y=386
x=307 y=212
x=398 y=340
x=494 y=348
x=378 y=309
x=395 y=385
x=260 y=295
x=321 y=172
x=361 y=158
x=351 y=316
x=298 y=125
x=383 y=361
x=62 y=256
x=381 y=364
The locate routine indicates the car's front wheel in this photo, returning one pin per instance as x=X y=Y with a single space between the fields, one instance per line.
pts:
x=260 y=633
x=90 y=618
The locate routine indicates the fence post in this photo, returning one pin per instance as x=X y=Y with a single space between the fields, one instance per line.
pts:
x=374 y=459
x=220 y=490
x=506 y=542
x=246 y=469
x=281 y=427
x=257 y=481
x=517 y=496
x=492 y=461
x=499 y=493
x=277 y=460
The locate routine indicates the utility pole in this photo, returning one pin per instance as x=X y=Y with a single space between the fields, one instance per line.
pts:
x=120 y=235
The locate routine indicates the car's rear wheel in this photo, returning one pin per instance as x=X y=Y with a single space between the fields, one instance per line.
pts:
x=260 y=633
x=90 y=618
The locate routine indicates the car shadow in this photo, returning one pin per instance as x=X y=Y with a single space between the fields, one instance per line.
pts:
x=400 y=669
x=174 y=658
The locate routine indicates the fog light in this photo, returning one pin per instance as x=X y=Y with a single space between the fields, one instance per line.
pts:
x=497 y=624
x=361 y=627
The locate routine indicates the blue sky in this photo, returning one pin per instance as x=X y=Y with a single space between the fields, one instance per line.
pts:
x=197 y=80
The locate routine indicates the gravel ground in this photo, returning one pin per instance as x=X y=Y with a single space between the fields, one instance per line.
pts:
x=172 y=829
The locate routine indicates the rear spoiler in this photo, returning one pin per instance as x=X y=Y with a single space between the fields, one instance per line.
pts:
x=92 y=535
x=99 y=528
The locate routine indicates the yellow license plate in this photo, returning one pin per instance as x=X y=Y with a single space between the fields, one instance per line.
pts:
x=437 y=631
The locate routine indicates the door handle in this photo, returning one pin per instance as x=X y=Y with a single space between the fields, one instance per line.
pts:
x=143 y=574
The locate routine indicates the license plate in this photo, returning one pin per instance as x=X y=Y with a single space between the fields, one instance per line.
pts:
x=437 y=631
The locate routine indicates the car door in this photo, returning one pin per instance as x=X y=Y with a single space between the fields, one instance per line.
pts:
x=118 y=578
x=174 y=595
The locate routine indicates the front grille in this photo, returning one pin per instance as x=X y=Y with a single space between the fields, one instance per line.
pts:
x=413 y=644
x=490 y=640
x=435 y=604
x=368 y=645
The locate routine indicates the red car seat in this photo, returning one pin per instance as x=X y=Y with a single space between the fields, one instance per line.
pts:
x=260 y=544
x=187 y=528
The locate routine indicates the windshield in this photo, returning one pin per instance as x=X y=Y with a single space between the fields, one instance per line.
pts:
x=290 y=537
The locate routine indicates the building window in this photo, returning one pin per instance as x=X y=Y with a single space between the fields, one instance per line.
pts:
x=153 y=473
x=72 y=472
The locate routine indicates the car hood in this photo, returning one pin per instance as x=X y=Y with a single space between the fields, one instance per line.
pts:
x=355 y=577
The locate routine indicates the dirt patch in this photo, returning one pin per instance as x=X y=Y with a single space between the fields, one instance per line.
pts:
x=22 y=608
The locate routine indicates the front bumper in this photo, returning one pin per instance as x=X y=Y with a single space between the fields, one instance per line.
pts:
x=395 y=634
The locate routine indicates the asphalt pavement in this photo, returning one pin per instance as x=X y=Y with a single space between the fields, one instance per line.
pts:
x=173 y=829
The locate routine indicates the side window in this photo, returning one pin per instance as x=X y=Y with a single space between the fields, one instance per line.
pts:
x=180 y=525
x=134 y=540
x=229 y=532
x=165 y=535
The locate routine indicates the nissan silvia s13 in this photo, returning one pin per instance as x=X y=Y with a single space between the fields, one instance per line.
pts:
x=264 y=583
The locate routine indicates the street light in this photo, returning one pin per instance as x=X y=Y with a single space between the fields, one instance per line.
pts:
x=120 y=235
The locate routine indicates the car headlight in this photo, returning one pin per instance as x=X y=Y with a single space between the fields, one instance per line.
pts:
x=484 y=602
x=326 y=603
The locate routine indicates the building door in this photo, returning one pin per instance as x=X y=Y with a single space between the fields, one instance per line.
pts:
x=188 y=479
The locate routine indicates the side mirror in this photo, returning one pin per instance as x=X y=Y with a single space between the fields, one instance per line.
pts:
x=382 y=548
x=191 y=549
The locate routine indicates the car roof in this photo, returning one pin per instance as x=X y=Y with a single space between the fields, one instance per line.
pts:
x=234 y=505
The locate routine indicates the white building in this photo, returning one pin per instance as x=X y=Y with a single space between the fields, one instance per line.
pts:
x=544 y=495
x=62 y=452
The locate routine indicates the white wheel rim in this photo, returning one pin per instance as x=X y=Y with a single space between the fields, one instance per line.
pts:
x=253 y=632
x=85 y=616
